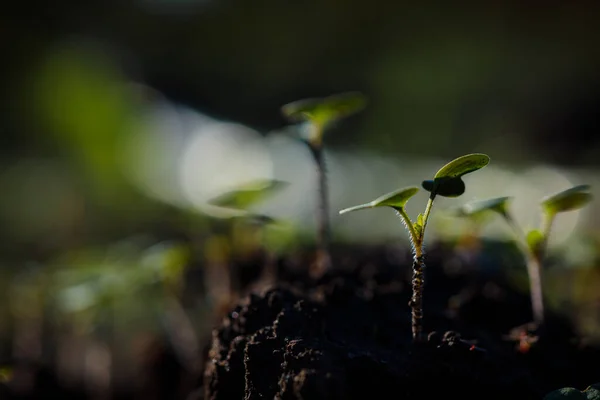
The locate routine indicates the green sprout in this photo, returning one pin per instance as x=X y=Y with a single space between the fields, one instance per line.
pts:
x=447 y=182
x=534 y=243
x=319 y=114
x=247 y=231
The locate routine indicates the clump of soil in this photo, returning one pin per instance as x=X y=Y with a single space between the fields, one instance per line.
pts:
x=348 y=336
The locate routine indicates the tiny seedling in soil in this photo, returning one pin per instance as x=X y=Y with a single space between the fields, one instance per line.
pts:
x=534 y=243
x=247 y=227
x=318 y=114
x=447 y=182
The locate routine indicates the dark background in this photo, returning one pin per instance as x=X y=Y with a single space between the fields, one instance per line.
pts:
x=519 y=81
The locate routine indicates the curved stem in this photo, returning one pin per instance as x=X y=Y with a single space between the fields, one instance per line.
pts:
x=408 y=225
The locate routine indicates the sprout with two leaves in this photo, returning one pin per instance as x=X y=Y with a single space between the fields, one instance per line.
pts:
x=534 y=243
x=318 y=114
x=447 y=182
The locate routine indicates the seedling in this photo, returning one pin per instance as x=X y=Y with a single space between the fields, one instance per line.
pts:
x=319 y=114
x=247 y=228
x=241 y=199
x=447 y=182
x=534 y=243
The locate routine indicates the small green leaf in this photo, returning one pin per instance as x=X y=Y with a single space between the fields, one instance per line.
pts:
x=567 y=393
x=447 y=181
x=498 y=204
x=418 y=225
x=463 y=165
x=534 y=239
x=248 y=194
x=323 y=110
x=567 y=200
x=396 y=199
x=447 y=187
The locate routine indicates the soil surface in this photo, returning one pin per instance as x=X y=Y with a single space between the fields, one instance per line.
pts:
x=348 y=335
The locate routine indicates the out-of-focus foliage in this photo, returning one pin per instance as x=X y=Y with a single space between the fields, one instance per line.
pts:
x=125 y=118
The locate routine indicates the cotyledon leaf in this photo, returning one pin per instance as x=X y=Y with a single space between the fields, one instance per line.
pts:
x=248 y=194
x=325 y=109
x=447 y=181
x=497 y=204
x=447 y=187
x=567 y=200
x=463 y=165
x=396 y=199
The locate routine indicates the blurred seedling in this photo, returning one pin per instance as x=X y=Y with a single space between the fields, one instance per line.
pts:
x=317 y=116
x=447 y=182
x=533 y=243
x=248 y=226
x=247 y=232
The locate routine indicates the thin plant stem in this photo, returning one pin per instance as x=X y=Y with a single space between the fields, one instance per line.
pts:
x=418 y=269
x=323 y=231
x=416 y=301
x=409 y=226
x=533 y=261
x=548 y=220
x=426 y=214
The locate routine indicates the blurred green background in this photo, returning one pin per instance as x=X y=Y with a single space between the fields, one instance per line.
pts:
x=119 y=120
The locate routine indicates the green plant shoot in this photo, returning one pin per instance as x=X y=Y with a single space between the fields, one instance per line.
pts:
x=247 y=230
x=318 y=114
x=533 y=243
x=447 y=182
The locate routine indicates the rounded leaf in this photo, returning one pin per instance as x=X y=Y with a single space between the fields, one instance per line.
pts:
x=497 y=204
x=248 y=194
x=567 y=200
x=396 y=199
x=463 y=165
x=325 y=109
x=447 y=187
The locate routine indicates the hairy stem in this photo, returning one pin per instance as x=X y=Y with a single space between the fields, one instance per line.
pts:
x=416 y=301
x=323 y=256
x=409 y=226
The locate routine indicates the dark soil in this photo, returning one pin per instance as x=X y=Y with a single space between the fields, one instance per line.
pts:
x=348 y=336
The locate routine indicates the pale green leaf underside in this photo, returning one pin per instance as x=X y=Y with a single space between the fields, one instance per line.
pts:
x=396 y=199
x=567 y=200
x=325 y=109
x=463 y=165
x=248 y=194
x=497 y=204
